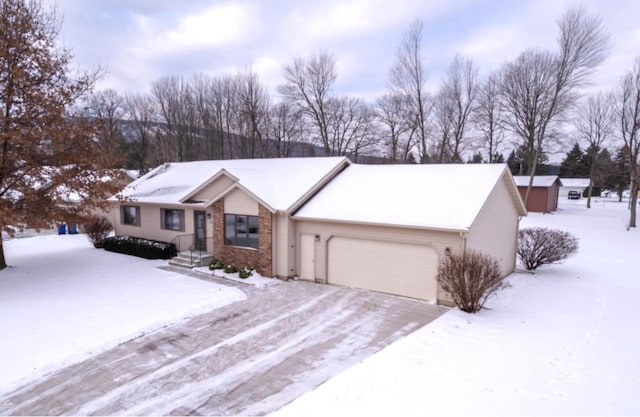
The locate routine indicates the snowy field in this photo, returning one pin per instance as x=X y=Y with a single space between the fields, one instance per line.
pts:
x=564 y=341
x=61 y=301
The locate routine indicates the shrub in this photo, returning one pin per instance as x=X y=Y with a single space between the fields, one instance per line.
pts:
x=540 y=246
x=143 y=248
x=97 y=230
x=230 y=268
x=245 y=272
x=216 y=264
x=470 y=279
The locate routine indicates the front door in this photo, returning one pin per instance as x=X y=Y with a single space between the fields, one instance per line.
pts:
x=200 y=230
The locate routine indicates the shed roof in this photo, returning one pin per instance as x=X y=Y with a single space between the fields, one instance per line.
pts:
x=575 y=182
x=279 y=182
x=538 y=180
x=429 y=196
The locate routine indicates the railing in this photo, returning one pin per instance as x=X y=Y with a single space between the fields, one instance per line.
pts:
x=199 y=247
x=183 y=242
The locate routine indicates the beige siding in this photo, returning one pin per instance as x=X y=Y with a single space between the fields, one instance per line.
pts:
x=284 y=245
x=494 y=231
x=150 y=223
x=239 y=202
x=438 y=241
x=216 y=187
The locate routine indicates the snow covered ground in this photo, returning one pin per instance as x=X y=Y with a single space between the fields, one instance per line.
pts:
x=563 y=341
x=61 y=301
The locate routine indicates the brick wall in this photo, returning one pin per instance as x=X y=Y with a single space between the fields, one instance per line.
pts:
x=261 y=258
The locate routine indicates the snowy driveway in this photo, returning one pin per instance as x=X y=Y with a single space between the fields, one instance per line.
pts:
x=250 y=357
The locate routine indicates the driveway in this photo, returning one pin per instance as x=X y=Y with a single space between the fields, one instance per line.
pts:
x=251 y=357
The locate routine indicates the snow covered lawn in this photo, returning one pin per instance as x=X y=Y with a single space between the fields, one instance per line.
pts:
x=564 y=341
x=61 y=301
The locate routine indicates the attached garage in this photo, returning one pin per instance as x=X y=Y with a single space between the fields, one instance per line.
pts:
x=377 y=228
x=389 y=267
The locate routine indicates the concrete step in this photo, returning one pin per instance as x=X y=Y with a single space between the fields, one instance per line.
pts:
x=186 y=260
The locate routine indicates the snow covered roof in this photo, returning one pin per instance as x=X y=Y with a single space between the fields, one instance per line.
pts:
x=538 y=180
x=575 y=182
x=430 y=196
x=278 y=182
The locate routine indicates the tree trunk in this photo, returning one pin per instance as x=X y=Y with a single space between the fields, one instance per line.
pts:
x=590 y=183
x=3 y=262
x=633 y=198
x=533 y=167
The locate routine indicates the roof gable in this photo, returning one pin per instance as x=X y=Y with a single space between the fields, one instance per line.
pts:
x=428 y=196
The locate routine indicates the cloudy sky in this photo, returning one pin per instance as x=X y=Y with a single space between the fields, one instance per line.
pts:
x=139 y=41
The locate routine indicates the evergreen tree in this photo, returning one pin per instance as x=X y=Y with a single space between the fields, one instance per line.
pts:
x=476 y=159
x=517 y=162
x=575 y=164
x=616 y=177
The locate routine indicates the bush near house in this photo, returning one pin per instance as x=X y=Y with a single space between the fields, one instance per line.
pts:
x=230 y=268
x=143 y=248
x=216 y=264
x=245 y=272
x=470 y=278
x=539 y=246
x=97 y=230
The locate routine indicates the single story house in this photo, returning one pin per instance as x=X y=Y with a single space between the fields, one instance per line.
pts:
x=573 y=184
x=544 y=192
x=378 y=227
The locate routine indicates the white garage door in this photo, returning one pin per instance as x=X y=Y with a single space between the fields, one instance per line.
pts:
x=388 y=267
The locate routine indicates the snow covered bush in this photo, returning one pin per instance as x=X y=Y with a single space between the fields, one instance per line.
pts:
x=216 y=264
x=245 y=272
x=540 y=246
x=143 y=248
x=230 y=268
x=470 y=279
x=97 y=230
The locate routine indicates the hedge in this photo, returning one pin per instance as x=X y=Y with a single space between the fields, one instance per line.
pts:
x=143 y=248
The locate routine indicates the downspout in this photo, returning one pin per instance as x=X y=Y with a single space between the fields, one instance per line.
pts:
x=463 y=236
x=515 y=256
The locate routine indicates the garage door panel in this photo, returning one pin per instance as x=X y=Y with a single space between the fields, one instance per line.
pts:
x=389 y=267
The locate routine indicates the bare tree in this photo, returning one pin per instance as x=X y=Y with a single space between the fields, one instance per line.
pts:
x=540 y=87
x=177 y=111
x=141 y=111
x=594 y=125
x=628 y=114
x=47 y=151
x=408 y=78
x=253 y=111
x=397 y=127
x=458 y=95
x=106 y=107
x=350 y=126
x=287 y=129
x=308 y=83
x=488 y=117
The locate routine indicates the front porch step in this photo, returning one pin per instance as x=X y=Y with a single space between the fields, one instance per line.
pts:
x=187 y=260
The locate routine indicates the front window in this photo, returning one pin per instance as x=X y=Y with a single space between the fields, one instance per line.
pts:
x=173 y=219
x=131 y=215
x=241 y=230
